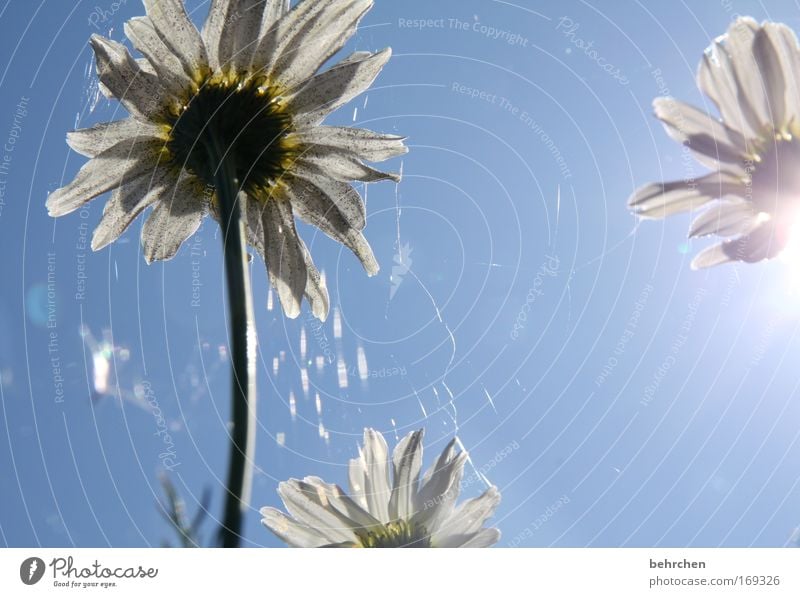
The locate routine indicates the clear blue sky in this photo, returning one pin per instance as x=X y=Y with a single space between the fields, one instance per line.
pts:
x=613 y=395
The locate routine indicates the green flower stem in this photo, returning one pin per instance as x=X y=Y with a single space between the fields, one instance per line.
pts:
x=243 y=347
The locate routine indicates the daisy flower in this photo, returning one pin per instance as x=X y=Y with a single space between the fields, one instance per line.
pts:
x=752 y=194
x=245 y=90
x=404 y=511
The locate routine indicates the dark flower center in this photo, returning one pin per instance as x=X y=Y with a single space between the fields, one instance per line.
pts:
x=240 y=122
x=395 y=534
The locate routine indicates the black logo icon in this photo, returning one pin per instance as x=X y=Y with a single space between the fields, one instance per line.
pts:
x=31 y=571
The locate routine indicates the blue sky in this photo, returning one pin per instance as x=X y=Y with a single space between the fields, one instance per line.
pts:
x=613 y=395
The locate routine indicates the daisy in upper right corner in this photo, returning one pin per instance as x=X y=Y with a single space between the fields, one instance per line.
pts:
x=751 y=196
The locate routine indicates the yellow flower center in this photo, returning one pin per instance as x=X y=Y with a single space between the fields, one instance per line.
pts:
x=398 y=533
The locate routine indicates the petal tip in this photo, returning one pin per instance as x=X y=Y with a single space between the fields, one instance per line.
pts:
x=98 y=242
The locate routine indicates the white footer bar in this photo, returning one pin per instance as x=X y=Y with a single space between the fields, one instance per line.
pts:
x=386 y=573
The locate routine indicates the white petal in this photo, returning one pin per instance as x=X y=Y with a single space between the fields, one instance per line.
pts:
x=765 y=242
x=312 y=36
x=314 y=206
x=176 y=217
x=469 y=517
x=657 y=200
x=717 y=81
x=95 y=140
x=711 y=256
x=264 y=53
x=316 y=292
x=710 y=141
x=484 y=538
x=407 y=460
x=440 y=489
x=442 y=492
x=278 y=30
x=141 y=93
x=123 y=162
x=724 y=219
x=178 y=32
x=738 y=44
x=275 y=40
x=328 y=90
x=212 y=33
x=290 y=531
x=273 y=10
x=771 y=70
x=141 y=32
x=246 y=32
x=356 y=57
x=731 y=77
x=444 y=458
x=340 y=194
x=127 y=202
x=342 y=166
x=231 y=32
x=785 y=43
x=356 y=476
x=367 y=145
x=285 y=261
x=375 y=457
x=255 y=226
x=145 y=65
x=302 y=502
x=334 y=498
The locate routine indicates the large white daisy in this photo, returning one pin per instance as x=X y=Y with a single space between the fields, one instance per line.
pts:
x=381 y=511
x=752 y=194
x=247 y=87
